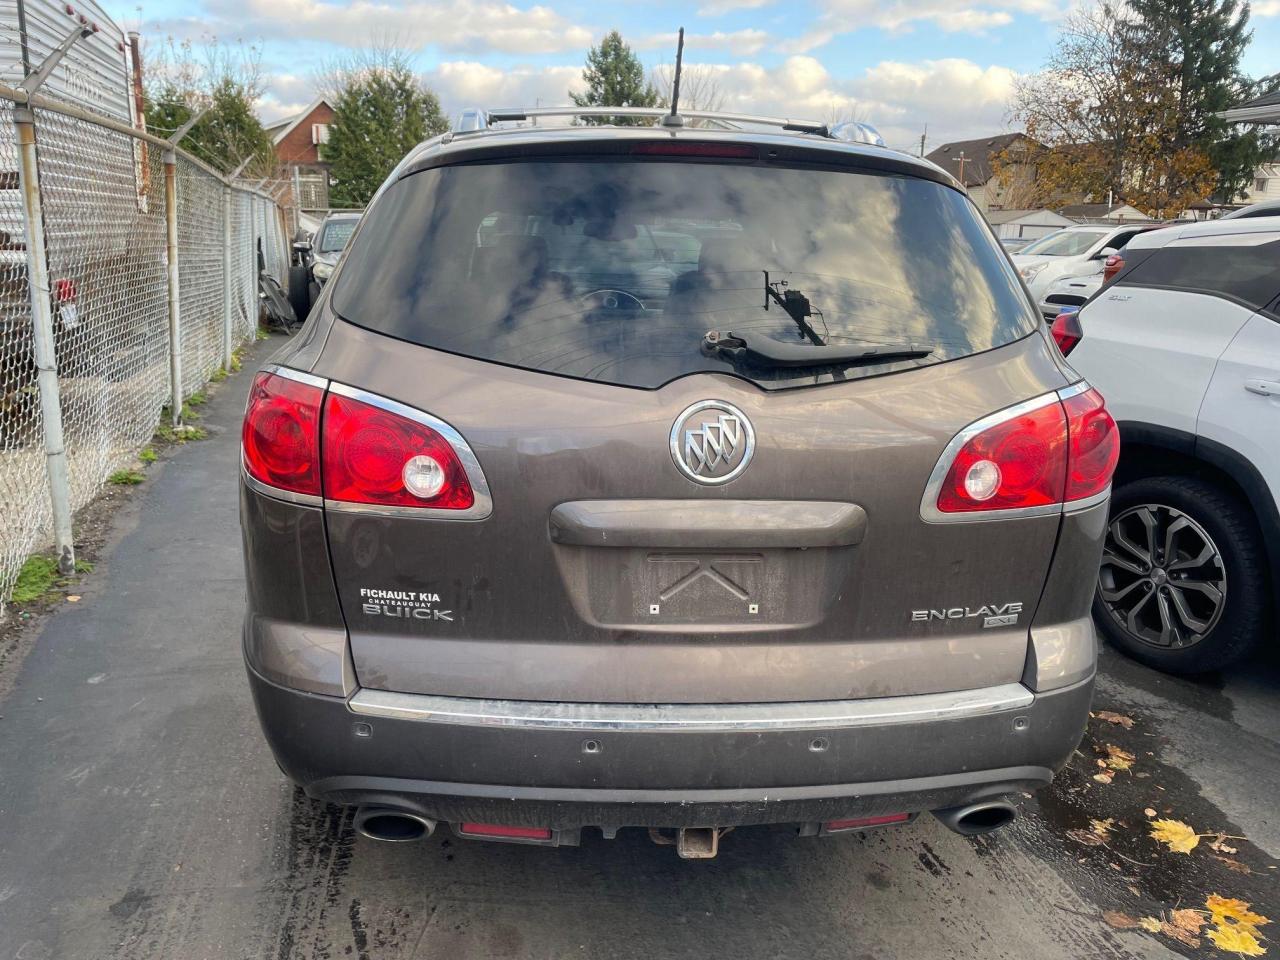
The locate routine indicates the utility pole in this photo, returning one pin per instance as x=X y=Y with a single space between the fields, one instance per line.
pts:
x=962 y=160
x=922 y=138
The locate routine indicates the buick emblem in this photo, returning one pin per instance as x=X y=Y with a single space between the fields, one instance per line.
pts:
x=712 y=442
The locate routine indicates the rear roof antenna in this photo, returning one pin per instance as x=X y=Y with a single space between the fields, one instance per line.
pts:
x=673 y=119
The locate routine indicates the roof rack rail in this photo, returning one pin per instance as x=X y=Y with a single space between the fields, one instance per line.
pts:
x=656 y=113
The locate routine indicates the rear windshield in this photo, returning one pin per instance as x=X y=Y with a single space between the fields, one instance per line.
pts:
x=1064 y=243
x=615 y=271
x=335 y=234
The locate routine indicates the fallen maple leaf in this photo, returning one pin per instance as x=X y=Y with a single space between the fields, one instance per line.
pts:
x=1106 y=776
x=1102 y=828
x=1187 y=919
x=1111 y=716
x=1175 y=835
x=1238 y=940
x=1118 y=759
x=1149 y=924
x=1219 y=845
x=1237 y=912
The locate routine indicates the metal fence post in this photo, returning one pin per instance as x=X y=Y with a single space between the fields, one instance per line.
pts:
x=226 y=279
x=55 y=450
x=175 y=309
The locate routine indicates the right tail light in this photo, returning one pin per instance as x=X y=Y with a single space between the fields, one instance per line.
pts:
x=1029 y=460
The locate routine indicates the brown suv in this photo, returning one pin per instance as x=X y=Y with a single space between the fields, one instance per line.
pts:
x=671 y=478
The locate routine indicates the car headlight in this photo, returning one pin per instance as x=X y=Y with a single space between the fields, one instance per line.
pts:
x=1030 y=272
x=322 y=271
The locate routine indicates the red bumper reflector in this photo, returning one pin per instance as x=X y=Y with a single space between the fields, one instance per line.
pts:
x=834 y=825
x=504 y=832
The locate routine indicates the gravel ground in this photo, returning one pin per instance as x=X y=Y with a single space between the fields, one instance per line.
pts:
x=141 y=815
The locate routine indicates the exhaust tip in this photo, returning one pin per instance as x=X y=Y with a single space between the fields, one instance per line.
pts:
x=393 y=826
x=977 y=818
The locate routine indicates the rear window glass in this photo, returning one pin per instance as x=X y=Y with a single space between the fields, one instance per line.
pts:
x=1064 y=243
x=1249 y=274
x=615 y=271
x=335 y=234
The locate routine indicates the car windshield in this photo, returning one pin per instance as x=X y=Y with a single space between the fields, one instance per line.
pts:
x=616 y=271
x=335 y=235
x=1064 y=243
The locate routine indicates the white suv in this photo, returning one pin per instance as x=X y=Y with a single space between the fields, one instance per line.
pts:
x=1071 y=252
x=1185 y=345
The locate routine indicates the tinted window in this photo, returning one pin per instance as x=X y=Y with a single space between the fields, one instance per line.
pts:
x=1250 y=274
x=335 y=235
x=615 y=271
x=1064 y=243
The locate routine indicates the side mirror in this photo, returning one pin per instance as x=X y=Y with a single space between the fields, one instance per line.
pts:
x=303 y=245
x=1104 y=253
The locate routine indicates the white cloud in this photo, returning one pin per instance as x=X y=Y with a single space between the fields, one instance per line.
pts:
x=461 y=84
x=718 y=7
x=453 y=25
x=846 y=16
x=1266 y=8
x=745 y=43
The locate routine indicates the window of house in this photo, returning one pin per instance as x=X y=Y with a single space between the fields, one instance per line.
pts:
x=1260 y=185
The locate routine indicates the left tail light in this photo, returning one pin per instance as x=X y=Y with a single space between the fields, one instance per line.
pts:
x=281 y=433
x=1110 y=267
x=374 y=456
x=1029 y=460
x=308 y=437
x=1066 y=329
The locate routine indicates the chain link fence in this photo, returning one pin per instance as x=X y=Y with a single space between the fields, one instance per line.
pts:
x=106 y=302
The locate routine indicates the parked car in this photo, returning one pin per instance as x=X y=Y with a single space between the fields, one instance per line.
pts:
x=1068 y=293
x=1185 y=345
x=319 y=257
x=1264 y=208
x=806 y=537
x=1071 y=252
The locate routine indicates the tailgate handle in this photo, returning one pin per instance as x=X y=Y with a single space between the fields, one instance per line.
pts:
x=718 y=524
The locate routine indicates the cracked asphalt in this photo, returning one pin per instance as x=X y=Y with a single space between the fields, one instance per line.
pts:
x=141 y=815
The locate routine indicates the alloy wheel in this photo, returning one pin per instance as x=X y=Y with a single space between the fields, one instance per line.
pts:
x=1162 y=578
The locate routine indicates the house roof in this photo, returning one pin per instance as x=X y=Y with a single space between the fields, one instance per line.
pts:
x=977 y=156
x=1099 y=211
x=1263 y=109
x=281 y=128
x=996 y=217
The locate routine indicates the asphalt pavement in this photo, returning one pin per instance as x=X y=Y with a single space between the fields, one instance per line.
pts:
x=141 y=814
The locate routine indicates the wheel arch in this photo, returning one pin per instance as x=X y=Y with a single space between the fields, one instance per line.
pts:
x=1148 y=450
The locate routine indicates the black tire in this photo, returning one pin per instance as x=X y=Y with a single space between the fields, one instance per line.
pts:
x=300 y=291
x=1206 y=515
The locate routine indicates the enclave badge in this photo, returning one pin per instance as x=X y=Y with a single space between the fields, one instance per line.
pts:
x=712 y=442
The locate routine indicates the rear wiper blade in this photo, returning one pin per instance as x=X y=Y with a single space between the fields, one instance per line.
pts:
x=766 y=352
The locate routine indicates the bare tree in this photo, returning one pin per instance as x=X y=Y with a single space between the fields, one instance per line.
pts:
x=699 y=87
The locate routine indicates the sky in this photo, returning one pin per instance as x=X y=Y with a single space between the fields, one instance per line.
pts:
x=941 y=68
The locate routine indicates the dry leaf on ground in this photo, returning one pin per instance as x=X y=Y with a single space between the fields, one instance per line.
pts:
x=1234 y=865
x=1118 y=759
x=1121 y=921
x=1219 y=844
x=1110 y=716
x=1176 y=835
x=1149 y=924
x=1238 y=940
x=1087 y=837
x=1102 y=827
x=1148 y=813
x=1233 y=910
x=1106 y=776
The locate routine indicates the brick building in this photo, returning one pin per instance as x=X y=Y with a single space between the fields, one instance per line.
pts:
x=299 y=142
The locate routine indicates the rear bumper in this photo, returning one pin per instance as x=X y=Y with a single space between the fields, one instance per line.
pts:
x=605 y=774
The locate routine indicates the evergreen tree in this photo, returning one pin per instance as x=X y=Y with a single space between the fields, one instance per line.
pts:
x=380 y=112
x=615 y=78
x=229 y=132
x=1202 y=42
